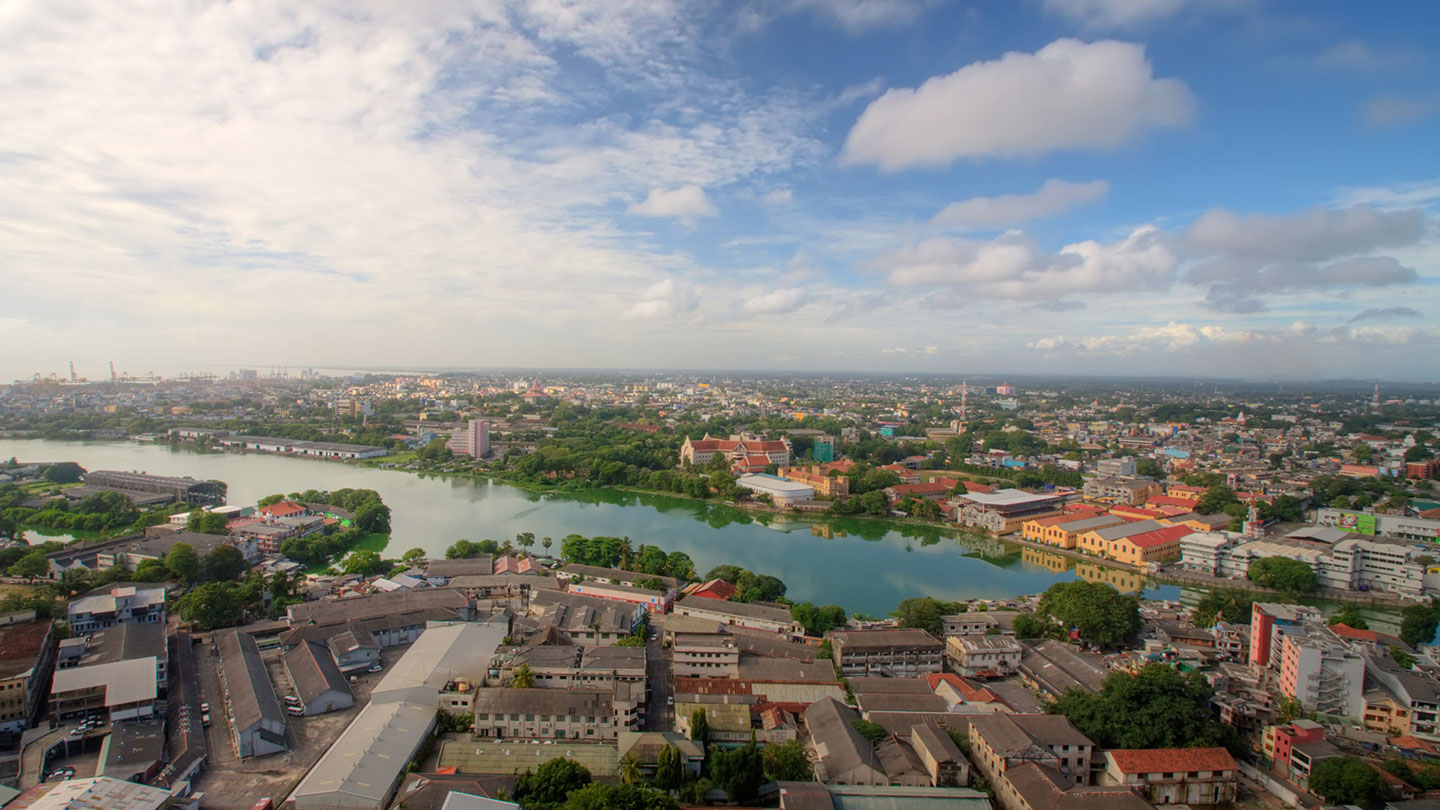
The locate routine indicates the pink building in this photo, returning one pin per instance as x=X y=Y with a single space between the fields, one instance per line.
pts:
x=653 y=601
x=1265 y=617
x=472 y=440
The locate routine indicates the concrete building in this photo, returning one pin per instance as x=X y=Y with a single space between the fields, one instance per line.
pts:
x=1063 y=531
x=181 y=490
x=94 y=793
x=744 y=452
x=561 y=666
x=122 y=642
x=1053 y=667
x=1005 y=510
x=657 y=601
x=782 y=492
x=765 y=616
x=1001 y=741
x=1032 y=786
x=257 y=723
x=1267 y=619
x=317 y=679
x=983 y=655
x=558 y=714
x=473 y=440
x=585 y=619
x=27 y=659
x=704 y=655
x=122 y=604
x=923 y=757
x=1320 y=670
x=1351 y=564
x=896 y=653
x=1201 y=776
x=1370 y=523
x=1121 y=490
x=120 y=690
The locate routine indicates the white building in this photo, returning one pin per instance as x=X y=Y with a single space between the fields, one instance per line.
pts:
x=472 y=440
x=127 y=604
x=781 y=491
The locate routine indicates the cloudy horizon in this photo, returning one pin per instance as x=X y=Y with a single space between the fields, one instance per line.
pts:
x=1239 y=189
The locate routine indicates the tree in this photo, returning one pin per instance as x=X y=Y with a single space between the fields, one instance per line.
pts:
x=789 y=762
x=373 y=516
x=1095 y=611
x=183 y=562
x=1028 y=626
x=1417 y=624
x=1149 y=467
x=629 y=770
x=203 y=522
x=73 y=581
x=546 y=542
x=550 y=784
x=874 y=732
x=435 y=450
x=669 y=770
x=1418 y=453
x=1156 y=707
x=1230 y=605
x=618 y=797
x=1364 y=452
x=212 y=605
x=63 y=472
x=269 y=500
x=739 y=772
x=523 y=677
x=677 y=564
x=413 y=555
x=150 y=571
x=699 y=726
x=462 y=550
x=1349 y=615
x=364 y=563
x=225 y=563
x=32 y=565
x=1346 y=780
x=1283 y=574
x=816 y=619
x=1215 y=499
x=923 y=613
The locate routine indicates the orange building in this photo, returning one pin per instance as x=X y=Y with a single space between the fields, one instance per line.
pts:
x=1063 y=531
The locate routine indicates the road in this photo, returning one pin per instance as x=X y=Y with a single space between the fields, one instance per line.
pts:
x=659 y=716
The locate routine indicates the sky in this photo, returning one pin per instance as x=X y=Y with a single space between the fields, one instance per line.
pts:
x=1241 y=188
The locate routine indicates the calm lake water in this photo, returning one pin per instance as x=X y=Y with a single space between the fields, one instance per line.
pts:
x=864 y=565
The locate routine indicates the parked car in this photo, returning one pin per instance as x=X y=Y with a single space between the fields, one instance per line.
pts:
x=204 y=707
x=292 y=700
x=295 y=711
x=375 y=668
x=205 y=720
x=669 y=700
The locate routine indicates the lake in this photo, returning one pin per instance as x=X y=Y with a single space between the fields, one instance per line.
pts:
x=864 y=565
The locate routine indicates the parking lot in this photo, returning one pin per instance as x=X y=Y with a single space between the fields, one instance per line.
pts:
x=229 y=782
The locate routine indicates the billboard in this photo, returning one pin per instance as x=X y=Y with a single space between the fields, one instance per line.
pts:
x=1358 y=522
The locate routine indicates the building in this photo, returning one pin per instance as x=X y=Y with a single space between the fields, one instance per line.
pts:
x=473 y=440
x=924 y=757
x=317 y=679
x=94 y=793
x=1005 y=510
x=766 y=616
x=645 y=747
x=827 y=486
x=1369 y=523
x=652 y=600
x=122 y=604
x=1174 y=775
x=1001 y=741
x=704 y=655
x=1319 y=669
x=585 y=619
x=1052 y=667
x=328 y=450
x=1267 y=619
x=257 y=723
x=1121 y=490
x=1119 y=467
x=987 y=656
x=1353 y=563
x=896 y=653
x=573 y=666
x=744 y=452
x=121 y=690
x=181 y=490
x=1063 y=531
x=363 y=768
x=122 y=642
x=558 y=714
x=1154 y=546
x=1032 y=786
x=836 y=796
x=27 y=658
x=781 y=492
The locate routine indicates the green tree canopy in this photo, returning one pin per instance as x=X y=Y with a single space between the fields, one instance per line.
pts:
x=63 y=472
x=1096 y=611
x=1215 y=499
x=923 y=613
x=617 y=797
x=817 y=619
x=1349 y=615
x=1346 y=780
x=212 y=605
x=1157 y=707
x=183 y=562
x=1417 y=624
x=32 y=565
x=549 y=785
x=203 y=522
x=1283 y=574
x=1230 y=605
x=225 y=563
x=365 y=563
x=788 y=762
x=739 y=772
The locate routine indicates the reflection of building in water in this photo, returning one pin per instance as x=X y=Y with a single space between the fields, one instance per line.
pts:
x=825 y=530
x=988 y=547
x=1058 y=563
x=1121 y=580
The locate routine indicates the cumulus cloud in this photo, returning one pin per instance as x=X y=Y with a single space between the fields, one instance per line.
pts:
x=1113 y=13
x=1013 y=267
x=1391 y=111
x=686 y=203
x=1054 y=197
x=1404 y=195
x=1385 y=314
x=776 y=302
x=664 y=299
x=1067 y=95
x=779 y=196
x=1244 y=257
x=1196 y=339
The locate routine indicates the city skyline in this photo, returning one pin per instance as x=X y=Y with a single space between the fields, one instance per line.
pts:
x=1040 y=187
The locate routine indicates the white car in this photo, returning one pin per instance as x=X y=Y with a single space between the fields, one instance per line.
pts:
x=669 y=700
x=375 y=668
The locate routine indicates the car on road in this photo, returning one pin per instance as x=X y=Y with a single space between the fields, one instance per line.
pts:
x=204 y=707
x=78 y=731
x=292 y=700
x=669 y=700
x=295 y=711
x=375 y=668
x=59 y=774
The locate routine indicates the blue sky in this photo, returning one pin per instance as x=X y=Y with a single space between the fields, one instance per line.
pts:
x=1233 y=187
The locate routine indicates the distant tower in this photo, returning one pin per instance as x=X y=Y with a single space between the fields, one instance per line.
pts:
x=1375 y=400
x=112 y=371
x=73 y=378
x=1252 y=526
x=964 y=398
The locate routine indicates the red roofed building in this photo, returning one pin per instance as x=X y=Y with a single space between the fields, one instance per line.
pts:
x=1157 y=545
x=1359 y=471
x=282 y=509
x=1158 y=501
x=1174 y=775
x=1346 y=631
x=716 y=589
x=984 y=489
x=935 y=491
x=967 y=692
x=739 y=450
x=907 y=475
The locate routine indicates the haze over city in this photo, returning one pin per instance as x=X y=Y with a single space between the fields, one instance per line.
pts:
x=1242 y=188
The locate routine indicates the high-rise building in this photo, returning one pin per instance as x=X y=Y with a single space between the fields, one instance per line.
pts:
x=824 y=449
x=472 y=440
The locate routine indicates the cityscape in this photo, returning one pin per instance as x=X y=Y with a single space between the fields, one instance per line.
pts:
x=671 y=404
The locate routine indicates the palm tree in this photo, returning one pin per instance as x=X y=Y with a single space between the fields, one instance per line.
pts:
x=630 y=772
x=523 y=678
x=546 y=543
x=73 y=581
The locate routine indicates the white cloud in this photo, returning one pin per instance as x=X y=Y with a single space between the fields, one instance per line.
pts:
x=1404 y=195
x=1013 y=267
x=686 y=204
x=1355 y=55
x=1391 y=111
x=1054 y=197
x=1113 y=13
x=1068 y=95
x=664 y=299
x=860 y=15
x=776 y=302
x=780 y=196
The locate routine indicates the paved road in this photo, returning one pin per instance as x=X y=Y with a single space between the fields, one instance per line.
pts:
x=658 y=715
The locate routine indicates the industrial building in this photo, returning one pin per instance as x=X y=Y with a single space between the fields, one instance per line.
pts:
x=317 y=679
x=256 y=719
x=782 y=492
x=1005 y=510
x=27 y=656
x=181 y=490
